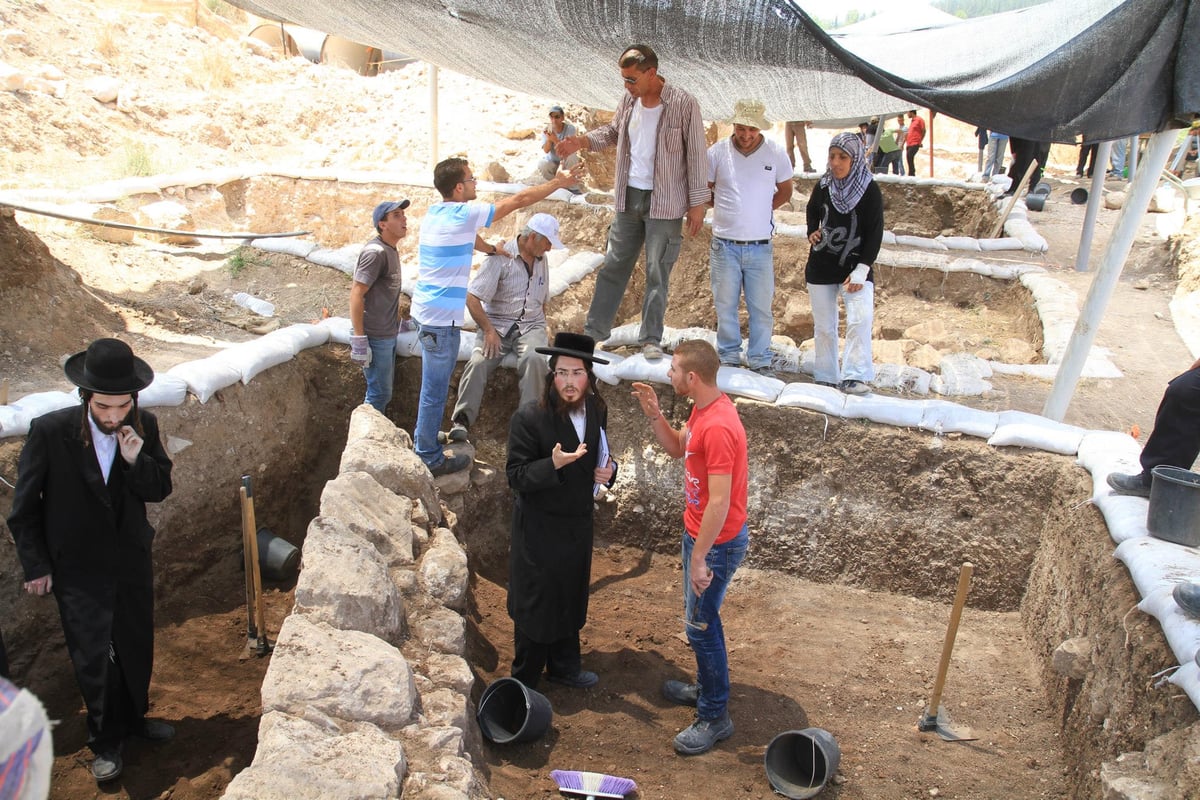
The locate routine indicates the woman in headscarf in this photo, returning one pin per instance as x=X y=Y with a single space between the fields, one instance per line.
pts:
x=845 y=228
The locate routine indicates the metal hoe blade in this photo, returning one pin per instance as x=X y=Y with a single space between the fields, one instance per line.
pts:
x=943 y=727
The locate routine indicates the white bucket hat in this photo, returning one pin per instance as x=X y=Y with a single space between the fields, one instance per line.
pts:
x=547 y=226
x=751 y=113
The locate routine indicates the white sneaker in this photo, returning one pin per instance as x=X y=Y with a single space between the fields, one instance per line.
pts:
x=652 y=352
x=855 y=387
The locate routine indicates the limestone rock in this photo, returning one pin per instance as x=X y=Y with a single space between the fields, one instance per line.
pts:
x=496 y=173
x=171 y=215
x=453 y=772
x=925 y=357
x=442 y=630
x=932 y=332
x=299 y=758
x=1017 y=351
x=345 y=583
x=112 y=214
x=892 y=351
x=381 y=517
x=521 y=134
x=444 y=739
x=456 y=482
x=1114 y=200
x=372 y=448
x=452 y=672
x=1073 y=658
x=103 y=88
x=798 y=314
x=443 y=572
x=445 y=708
x=348 y=675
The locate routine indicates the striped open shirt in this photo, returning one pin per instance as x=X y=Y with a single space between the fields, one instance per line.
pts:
x=680 y=153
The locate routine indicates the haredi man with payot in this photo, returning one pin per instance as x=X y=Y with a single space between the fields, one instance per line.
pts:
x=79 y=520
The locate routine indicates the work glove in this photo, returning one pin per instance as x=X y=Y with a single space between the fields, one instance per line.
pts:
x=360 y=351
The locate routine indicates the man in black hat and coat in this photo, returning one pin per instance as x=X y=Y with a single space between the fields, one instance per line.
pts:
x=557 y=457
x=79 y=520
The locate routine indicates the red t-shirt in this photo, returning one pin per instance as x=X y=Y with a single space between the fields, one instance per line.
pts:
x=715 y=445
x=916 y=132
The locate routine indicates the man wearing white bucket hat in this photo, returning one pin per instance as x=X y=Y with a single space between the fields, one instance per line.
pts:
x=79 y=521
x=750 y=176
x=506 y=298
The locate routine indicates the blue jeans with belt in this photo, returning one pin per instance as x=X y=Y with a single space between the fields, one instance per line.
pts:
x=381 y=372
x=712 y=663
x=735 y=269
x=439 y=353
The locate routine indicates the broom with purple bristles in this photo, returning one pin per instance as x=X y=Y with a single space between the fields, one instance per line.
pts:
x=591 y=784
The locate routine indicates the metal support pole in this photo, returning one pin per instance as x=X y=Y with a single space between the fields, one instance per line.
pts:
x=1103 y=150
x=1145 y=181
x=1131 y=160
x=433 y=116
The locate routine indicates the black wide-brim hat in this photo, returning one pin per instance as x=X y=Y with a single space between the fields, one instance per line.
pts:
x=575 y=345
x=108 y=366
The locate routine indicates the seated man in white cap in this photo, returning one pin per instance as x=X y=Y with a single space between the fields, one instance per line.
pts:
x=506 y=298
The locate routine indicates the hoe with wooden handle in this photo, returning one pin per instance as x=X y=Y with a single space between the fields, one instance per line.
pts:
x=935 y=718
x=256 y=624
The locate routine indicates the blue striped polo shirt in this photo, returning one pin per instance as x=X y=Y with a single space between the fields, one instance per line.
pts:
x=446 y=243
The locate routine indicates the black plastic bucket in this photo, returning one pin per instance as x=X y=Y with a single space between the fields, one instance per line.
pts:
x=1079 y=196
x=1042 y=188
x=509 y=711
x=799 y=763
x=278 y=558
x=1174 y=506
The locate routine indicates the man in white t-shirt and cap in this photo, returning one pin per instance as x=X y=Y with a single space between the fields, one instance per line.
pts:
x=750 y=176
x=506 y=297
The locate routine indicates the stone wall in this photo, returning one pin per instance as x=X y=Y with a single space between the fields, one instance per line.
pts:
x=368 y=692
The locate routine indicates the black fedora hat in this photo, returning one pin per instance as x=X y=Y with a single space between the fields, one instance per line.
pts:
x=108 y=366
x=575 y=345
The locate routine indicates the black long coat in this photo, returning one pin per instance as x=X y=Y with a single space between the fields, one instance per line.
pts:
x=94 y=540
x=550 y=556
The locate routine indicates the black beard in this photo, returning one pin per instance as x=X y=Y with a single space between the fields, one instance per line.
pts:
x=565 y=408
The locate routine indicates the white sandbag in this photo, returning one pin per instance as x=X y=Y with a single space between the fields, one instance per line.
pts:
x=1031 y=240
x=300 y=248
x=823 y=399
x=942 y=416
x=577 y=267
x=302 y=336
x=343 y=259
x=880 y=408
x=672 y=337
x=624 y=335
x=15 y=417
x=791 y=359
x=252 y=357
x=1107 y=450
x=608 y=372
x=747 y=383
x=959 y=242
x=923 y=242
x=340 y=329
x=889 y=238
x=164 y=390
x=637 y=368
x=1124 y=515
x=1187 y=677
x=1020 y=429
x=206 y=376
x=407 y=344
x=1001 y=182
x=962 y=374
x=902 y=378
x=1003 y=243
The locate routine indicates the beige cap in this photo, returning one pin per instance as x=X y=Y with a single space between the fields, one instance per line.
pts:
x=751 y=113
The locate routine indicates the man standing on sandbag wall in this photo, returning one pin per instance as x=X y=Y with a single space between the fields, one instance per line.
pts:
x=660 y=179
x=375 y=303
x=750 y=177
x=1175 y=440
x=79 y=520
x=715 y=537
x=913 y=140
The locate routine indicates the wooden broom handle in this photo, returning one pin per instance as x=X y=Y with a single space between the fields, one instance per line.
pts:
x=960 y=600
x=248 y=536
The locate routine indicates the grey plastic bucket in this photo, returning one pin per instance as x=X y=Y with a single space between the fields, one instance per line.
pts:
x=799 y=763
x=1174 y=506
x=1042 y=188
x=509 y=711
x=278 y=558
x=1035 y=202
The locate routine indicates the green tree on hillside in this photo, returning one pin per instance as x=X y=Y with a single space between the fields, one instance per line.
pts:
x=981 y=8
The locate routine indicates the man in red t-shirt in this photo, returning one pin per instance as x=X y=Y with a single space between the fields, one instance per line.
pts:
x=715 y=539
x=912 y=142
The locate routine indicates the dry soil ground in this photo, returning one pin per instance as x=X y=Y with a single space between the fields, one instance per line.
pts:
x=217 y=104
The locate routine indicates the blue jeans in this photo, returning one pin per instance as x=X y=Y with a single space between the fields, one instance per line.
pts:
x=381 y=371
x=630 y=229
x=734 y=269
x=994 y=165
x=712 y=664
x=439 y=352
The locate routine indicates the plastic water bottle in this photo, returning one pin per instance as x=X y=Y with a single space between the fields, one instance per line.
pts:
x=260 y=307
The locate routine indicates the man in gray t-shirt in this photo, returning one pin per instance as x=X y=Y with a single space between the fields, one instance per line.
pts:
x=375 y=303
x=555 y=132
